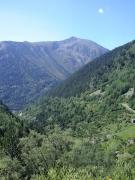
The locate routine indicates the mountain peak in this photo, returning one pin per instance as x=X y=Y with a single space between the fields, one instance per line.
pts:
x=72 y=38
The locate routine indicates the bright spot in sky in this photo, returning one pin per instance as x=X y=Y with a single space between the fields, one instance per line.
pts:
x=100 y=10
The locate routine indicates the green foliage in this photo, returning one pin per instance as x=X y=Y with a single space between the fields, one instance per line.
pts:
x=89 y=136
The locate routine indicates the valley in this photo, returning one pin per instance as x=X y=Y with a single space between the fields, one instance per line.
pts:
x=67 y=90
x=81 y=129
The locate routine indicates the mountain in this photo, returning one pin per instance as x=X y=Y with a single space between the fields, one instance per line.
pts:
x=99 y=73
x=27 y=69
x=86 y=132
x=88 y=122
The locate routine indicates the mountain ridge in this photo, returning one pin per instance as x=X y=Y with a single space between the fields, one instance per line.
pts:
x=30 y=69
x=80 y=78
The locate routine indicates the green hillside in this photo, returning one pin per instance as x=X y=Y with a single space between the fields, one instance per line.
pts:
x=96 y=117
x=11 y=130
x=87 y=132
x=100 y=73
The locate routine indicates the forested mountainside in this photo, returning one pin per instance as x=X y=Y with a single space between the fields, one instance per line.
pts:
x=88 y=135
x=27 y=69
x=97 y=124
x=100 y=73
x=11 y=129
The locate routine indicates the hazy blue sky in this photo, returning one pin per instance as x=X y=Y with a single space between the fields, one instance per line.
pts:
x=108 y=22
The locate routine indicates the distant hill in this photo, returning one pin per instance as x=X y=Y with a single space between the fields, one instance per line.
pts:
x=27 y=69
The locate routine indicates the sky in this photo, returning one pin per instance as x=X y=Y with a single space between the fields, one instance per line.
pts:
x=110 y=23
